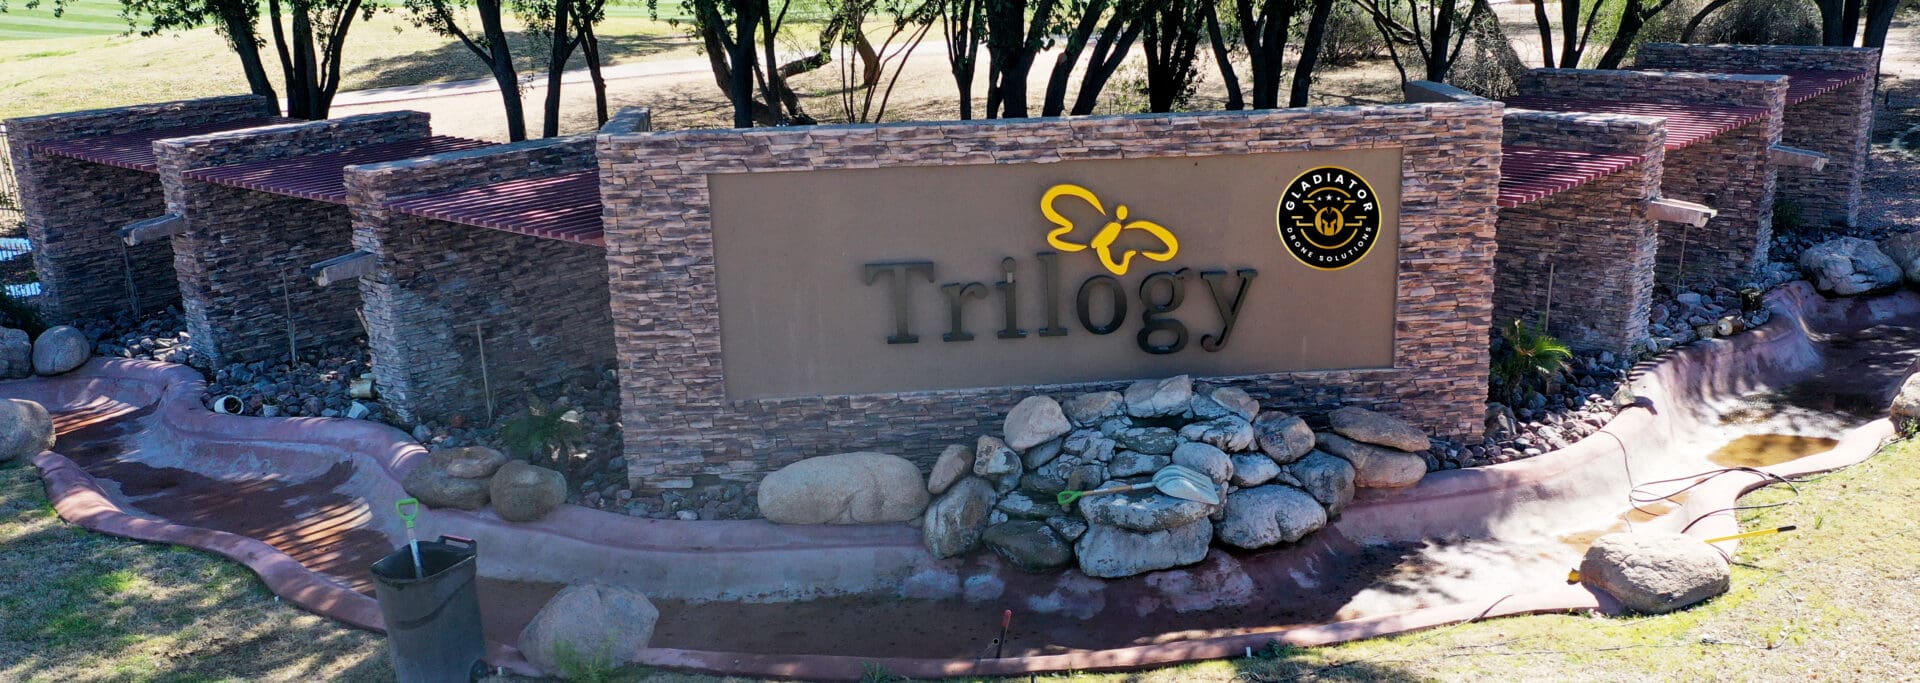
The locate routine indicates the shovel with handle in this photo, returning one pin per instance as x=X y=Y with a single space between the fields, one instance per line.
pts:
x=409 y=509
x=1173 y=480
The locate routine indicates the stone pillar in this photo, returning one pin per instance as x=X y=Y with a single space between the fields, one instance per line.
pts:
x=541 y=304
x=73 y=207
x=242 y=255
x=1592 y=247
x=1730 y=173
x=1838 y=124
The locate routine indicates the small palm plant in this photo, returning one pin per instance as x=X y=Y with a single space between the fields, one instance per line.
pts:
x=542 y=432
x=1530 y=355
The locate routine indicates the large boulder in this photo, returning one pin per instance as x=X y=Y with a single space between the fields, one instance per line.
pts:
x=1906 y=406
x=954 y=522
x=524 y=493
x=1253 y=469
x=25 y=429
x=1267 y=515
x=1904 y=249
x=1283 y=437
x=1379 y=429
x=1029 y=544
x=16 y=354
x=1087 y=410
x=1146 y=510
x=1849 y=266
x=1034 y=421
x=1204 y=459
x=434 y=483
x=471 y=462
x=955 y=462
x=1375 y=467
x=848 y=488
x=1208 y=404
x=993 y=459
x=1159 y=397
x=1229 y=433
x=1654 y=572
x=1132 y=464
x=60 y=349
x=1327 y=478
x=1110 y=552
x=589 y=627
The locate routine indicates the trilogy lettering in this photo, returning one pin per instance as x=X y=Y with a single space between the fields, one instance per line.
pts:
x=1160 y=294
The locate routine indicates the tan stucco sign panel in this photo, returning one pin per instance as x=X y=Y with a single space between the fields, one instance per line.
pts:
x=820 y=271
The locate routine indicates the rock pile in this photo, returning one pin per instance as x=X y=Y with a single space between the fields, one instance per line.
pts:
x=160 y=336
x=1683 y=316
x=1277 y=480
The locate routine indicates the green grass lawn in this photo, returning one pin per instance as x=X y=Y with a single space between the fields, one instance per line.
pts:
x=1830 y=602
x=77 y=18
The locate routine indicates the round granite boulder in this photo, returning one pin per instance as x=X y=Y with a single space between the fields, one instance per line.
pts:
x=848 y=488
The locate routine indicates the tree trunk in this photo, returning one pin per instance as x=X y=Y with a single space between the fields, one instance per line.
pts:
x=562 y=51
x=1850 y=19
x=500 y=64
x=1879 y=19
x=1569 y=32
x=1309 y=53
x=1632 y=19
x=960 y=22
x=590 y=49
x=1546 y=32
x=238 y=25
x=1055 y=101
x=1109 y=52
x=1223 y=58
x=742 y=61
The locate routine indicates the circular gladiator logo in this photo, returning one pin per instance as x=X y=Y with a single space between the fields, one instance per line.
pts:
x=1329 y=218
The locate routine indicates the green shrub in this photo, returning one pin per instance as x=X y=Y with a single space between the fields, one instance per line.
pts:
x=21 y=315
x=541 y=432
x=1763 y=22
x=578 y=667
x=1528 y=358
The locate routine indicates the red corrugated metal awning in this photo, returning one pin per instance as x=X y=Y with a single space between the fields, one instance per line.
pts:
x=135 y=150
x=320 y=177
x=1530 y=174
x=563 y=207
x=1687 y=124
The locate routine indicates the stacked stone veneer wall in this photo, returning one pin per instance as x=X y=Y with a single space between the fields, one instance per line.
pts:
x=681 y=431
x=1730 y=173
x=242 y=255
x=1838 y=124
x=74 y=207
x=1591 y=248
x=541 y=304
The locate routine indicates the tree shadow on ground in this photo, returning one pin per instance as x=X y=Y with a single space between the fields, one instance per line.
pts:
x=452 y=61
x=122 y=609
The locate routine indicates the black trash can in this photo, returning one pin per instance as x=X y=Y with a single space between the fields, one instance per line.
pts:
x=433 y=621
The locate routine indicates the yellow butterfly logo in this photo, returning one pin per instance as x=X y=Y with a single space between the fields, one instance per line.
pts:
x=1103 y=241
